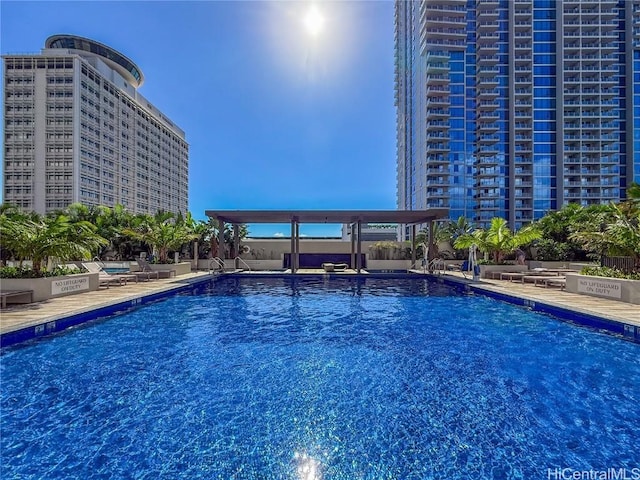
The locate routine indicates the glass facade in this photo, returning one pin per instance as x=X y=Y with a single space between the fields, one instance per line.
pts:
x=532 y=111
x=90 y=46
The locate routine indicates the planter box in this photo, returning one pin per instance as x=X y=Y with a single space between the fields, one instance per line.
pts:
x=484 y=269
x=49 y=287
x=181 y=268
x=388 y=264
x=618 y=289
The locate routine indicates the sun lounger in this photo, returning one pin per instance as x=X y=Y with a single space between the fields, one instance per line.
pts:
x=495 y=275
x=511 y=276
x=334 y=267
x=537 y=278
x=107 y=279
x=552 y=282
x=146 y=267
x=146 y=275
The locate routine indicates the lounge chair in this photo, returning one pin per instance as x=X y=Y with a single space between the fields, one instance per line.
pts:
x=511 y=276
x=106 y=278
x=145 y=275
x=535 y=279
x=145 y=267
x=334 y=267
x=553 y=282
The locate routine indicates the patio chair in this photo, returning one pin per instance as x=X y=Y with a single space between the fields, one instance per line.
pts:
x=106 y=278
x=145 y=267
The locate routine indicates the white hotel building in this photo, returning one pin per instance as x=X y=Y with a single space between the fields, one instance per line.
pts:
x=77 y=130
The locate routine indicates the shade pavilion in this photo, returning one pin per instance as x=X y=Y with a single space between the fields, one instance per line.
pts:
x=354 y=218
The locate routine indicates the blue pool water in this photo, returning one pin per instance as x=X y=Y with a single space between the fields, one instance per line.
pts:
x=116 y=269
x=308 y=379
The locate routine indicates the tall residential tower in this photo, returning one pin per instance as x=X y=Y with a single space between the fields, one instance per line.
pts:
x=513 y=108
x=77 y=130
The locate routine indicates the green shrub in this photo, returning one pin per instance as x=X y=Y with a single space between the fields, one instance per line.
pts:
x=609 y=272
x=19 y=272
x=550 y=250
x=28 y=272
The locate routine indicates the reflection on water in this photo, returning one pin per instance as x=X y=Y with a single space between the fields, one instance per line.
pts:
x=308 y=467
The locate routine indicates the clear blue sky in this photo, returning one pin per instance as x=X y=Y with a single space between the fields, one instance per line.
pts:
x=276 y=117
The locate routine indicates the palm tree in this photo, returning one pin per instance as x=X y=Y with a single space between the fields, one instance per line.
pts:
x=40 y=238
x=162 y=233
x=111 y=222
x=440 y=234
x=616 y=232
x=498 y=240
x=458 y=228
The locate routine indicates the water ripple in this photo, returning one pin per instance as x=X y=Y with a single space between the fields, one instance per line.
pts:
x=303 y=379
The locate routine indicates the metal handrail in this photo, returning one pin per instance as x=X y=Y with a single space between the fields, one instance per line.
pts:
x=438 y=265
x=97 y=260
x=241 y=260
x=417 y=265
x=218 y=262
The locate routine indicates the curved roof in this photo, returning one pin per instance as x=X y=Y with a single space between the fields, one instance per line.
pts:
x=124 y=66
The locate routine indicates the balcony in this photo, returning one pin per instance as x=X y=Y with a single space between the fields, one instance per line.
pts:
x=437 y=193
x=437 y=113
x=437 y=159
x=437 y=102
x=487 y=59
x=487 y=105
x=437 y=135
x=487 y=92
x=489 y=161
x=436 y=147
x=488 y=127
x=437 y=67
x=437 y=79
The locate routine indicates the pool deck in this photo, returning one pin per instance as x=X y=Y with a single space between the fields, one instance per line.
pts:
x=622 y=312
x=20 y=316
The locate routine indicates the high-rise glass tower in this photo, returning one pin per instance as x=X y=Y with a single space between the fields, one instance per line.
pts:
x=76 y=129
x=513 y=108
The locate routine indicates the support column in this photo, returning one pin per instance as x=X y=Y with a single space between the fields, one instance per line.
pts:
x=195 y=256
x=413 y=245
x=221 y=252
x=293 y=246
x=359 y=249
x=236 y=245
x=352 y=263
x=297 y=246
x=431 y=243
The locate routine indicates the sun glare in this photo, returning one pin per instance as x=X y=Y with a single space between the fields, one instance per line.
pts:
x=314 y=21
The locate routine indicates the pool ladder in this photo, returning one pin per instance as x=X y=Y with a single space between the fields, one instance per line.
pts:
x=243 y=262
x=437 y=265
x=218 y=264
x=215 y=264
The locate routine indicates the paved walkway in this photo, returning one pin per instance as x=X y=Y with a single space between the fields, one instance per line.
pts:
x=16 y=317
x=610 y=309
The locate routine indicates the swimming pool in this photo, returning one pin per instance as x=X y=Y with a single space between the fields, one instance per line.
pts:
x=320 y=378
